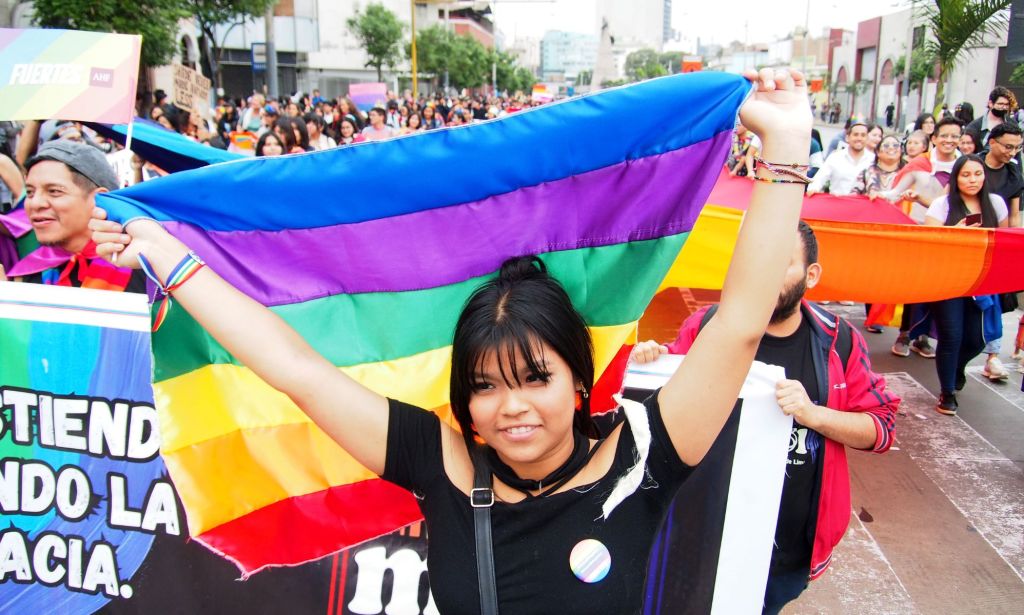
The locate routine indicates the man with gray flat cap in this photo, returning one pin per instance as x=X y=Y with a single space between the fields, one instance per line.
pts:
x=61 y=185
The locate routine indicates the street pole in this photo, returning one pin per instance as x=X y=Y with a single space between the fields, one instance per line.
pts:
x=415 y=79
x=268 y=21
x=906 y=72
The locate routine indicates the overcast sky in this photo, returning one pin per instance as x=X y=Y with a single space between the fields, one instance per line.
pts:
x=714 y=21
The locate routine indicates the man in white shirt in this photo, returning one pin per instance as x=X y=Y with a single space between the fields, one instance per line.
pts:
x=842 y=167
x=945 y=141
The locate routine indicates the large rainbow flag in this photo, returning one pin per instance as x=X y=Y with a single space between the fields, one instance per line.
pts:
x=869 y=251
x=370 y=252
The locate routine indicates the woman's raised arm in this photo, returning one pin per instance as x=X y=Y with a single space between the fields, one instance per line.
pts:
x=354 y=416
x=697 y=400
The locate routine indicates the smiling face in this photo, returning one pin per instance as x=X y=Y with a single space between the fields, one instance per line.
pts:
x=1005 y=147
x=946 y=139
x=889 y=151
x=58 y=208
x=971 y=178
x=525 y=416
x=856 y=139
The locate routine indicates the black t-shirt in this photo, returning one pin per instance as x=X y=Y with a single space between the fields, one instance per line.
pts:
x=1005 y=181
x=533 y=538
x=794 y=532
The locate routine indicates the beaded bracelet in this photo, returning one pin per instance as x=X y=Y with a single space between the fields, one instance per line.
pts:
x=773 y=166
x=772 y=180
x=182 y=272
x=791 y=170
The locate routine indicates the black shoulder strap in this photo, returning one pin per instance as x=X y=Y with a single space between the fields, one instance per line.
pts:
x=707 y=316
x=844 y=341
x=481 y=498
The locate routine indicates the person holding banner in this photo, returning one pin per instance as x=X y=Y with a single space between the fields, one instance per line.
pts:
x=840 y=402
x=522 y=371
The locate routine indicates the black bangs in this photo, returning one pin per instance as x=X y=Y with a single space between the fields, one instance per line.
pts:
x=510 y=344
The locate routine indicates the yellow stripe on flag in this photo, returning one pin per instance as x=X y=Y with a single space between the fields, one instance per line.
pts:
x=218 y=399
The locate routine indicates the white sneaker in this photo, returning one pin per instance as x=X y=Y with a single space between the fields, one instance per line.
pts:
x=994 y=370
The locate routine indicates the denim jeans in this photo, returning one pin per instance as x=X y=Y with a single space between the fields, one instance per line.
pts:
x=783 y=589
x=958 y=322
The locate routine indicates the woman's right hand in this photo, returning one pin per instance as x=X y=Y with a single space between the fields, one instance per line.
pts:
x=120 y=245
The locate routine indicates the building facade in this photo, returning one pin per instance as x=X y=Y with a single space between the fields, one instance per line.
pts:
x=563 y=55
x=865 y=81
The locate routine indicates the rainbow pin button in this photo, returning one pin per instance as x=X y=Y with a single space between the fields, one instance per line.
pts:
x=590 y=561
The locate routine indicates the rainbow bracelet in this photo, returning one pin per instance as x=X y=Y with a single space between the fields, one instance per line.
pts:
x=182 y=272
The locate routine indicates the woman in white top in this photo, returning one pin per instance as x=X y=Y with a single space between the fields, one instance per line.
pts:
x=958 y=320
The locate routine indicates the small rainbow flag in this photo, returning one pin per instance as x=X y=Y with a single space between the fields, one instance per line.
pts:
x=68 y=74
x=370 y=252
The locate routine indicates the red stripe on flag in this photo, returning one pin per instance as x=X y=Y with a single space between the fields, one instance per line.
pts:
x=1002 y=271
x=323 y=522
x=610 y=382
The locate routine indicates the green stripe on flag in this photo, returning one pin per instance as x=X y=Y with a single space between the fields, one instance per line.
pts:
x=371 y=327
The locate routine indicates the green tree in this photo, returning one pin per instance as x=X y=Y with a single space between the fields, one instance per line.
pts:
x=433 y=50
x=672 y=61
x=1018 y=74
x=211 y=13
x=958 y=26
x=380 y=33
x=470 y=68
x=585 y=77
x=525 y=79
x=644 y=64
x=155 y=20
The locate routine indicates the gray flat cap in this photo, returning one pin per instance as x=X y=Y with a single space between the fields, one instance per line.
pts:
x=83 y=158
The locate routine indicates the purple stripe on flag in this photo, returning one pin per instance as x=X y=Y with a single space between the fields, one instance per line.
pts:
x=635 y=200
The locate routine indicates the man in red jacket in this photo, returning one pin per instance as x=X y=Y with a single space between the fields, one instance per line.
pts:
x=835 y=401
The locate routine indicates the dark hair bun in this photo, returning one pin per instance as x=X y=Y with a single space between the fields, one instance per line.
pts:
x=522 y=268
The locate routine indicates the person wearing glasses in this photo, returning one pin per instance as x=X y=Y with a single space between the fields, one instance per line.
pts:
x=879 y=177
x=1000 y=107
x=1002 y=173
x=1003 y=177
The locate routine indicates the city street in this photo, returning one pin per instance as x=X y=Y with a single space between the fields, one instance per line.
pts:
x=937 y=523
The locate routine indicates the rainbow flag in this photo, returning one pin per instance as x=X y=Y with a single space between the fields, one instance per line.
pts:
x=873 y=262
x=68 y=74
x=370 y=252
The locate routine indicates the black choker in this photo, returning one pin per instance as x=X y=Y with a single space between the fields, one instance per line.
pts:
x=581 y=454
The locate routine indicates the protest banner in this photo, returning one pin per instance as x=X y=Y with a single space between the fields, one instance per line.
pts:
x=191 y=90
x=368 y=95
x=91 y=520
x=68 y=74
x=542 y=94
